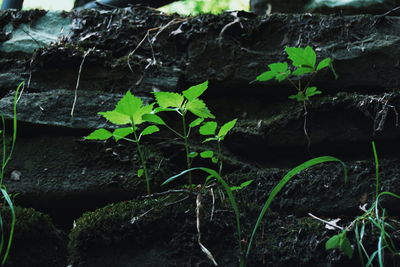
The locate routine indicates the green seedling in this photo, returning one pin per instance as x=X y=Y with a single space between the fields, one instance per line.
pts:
x=374 y=217
x=212 y=174
x=300 y=74
x=188 y=101
x=5 y=245
x=130 y=111
x=210 y=129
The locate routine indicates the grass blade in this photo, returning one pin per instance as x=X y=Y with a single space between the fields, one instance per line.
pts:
x=12 y=226
x=282 y=183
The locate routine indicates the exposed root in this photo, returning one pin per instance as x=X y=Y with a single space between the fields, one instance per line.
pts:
x=78 y=79
x=381 y=108
x=236 y=20
x=199 y=217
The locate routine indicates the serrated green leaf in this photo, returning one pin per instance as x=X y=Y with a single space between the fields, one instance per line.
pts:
x=199 y=108
x=299 y=97
x=226 y=128
x=195 y=91
x=301 y=71
x=122 y=132
x=278 y=70
x=214 y=160
x=196 y=122
x=116 y=117
x=281 y=70
x=150 y=130
x=193 y=154
x=310 y=91
x=324 y=63
x=208 y=128
x=302 y=57
x=210 y=139
x=266 y=76
x=278 y=67
x=207 y=154
x=153 y=118
x=168 y=99
x=99 y=134
x=333 y=242
x=138 y=115
x=128 y=104
x=140 y=173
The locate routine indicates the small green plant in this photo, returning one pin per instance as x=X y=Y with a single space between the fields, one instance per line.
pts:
x=183 y=103
x=210 y=129
x=5 y=245
x=212 y=174
x=376 y=219
x=302 y=72
x=131 y=111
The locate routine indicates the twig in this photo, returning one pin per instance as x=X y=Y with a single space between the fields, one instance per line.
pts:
x=78 y=79
x=159 y=30
x=172 y=191
x=176 y=202
x=326 y=222
x=137 y=47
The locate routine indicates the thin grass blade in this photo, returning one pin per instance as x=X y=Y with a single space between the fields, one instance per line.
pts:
x=283 y=182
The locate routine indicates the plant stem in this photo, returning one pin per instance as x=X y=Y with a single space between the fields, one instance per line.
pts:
x=377 y=181
x=220 y=158
x=142 y=160
x=305 y=128
x=186 y=140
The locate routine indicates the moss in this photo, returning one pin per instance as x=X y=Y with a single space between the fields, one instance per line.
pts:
x=37 y=242
x=135 y=222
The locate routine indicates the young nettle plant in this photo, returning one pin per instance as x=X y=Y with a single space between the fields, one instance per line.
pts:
x=302 y=72
x=188 y=101
x=130 y=111
x=210 y=129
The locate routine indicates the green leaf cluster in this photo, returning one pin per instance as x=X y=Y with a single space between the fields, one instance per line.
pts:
x=129 y=110
x=210 y=127
x=304 y=63
x=130 y=113
x=187 y=101
x=340 y=241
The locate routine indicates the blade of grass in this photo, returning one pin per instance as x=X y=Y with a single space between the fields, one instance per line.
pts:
x=283 y=182
x=12 y=226
x=6 y=158
x=377 y=184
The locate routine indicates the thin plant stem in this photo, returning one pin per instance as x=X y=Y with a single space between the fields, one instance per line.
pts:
x=176 y=132
x=143 y=161
x=377 y=184
x=305 y=128
x=220 y=158
x=186 y=140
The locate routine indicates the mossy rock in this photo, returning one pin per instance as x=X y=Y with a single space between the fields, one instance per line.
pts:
x=115 y=234
x=36 y=242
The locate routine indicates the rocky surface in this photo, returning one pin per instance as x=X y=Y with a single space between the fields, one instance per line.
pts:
x=98 y=55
